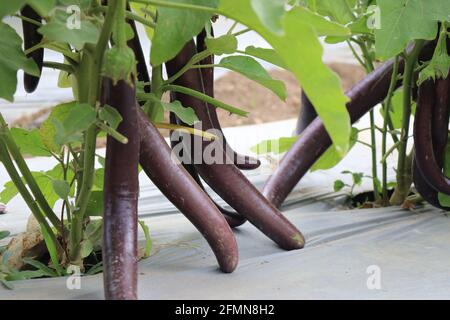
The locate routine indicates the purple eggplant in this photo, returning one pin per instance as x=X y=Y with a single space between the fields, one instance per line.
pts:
x=232 y=217
x=315 y=140
x=179 y=187
x=433 y=97
x=210 y=115
x=306 y=115
x=31 y=37
x=225 y=178
x=121 y=189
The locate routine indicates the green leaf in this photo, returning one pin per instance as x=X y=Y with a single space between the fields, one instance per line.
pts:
x=357 y=178
x=6 y=283
x=8 y=193
x=43 y=7
x=175 y=27
x=83 y=4
x=322 y=85
x=141 y=10
x=61 y=188
x=154 y=111
x=271 y=14
x=93 y=231
x=226 y=44
x=10 y=7
x=338 y=185
x=111 y=116
x=29 y=142
x=405 y=20
x=275 y=146
x=53 y=252
x=268 y=55
x=12 y=58
x=396 y=110
x=187 y=115
x=40 y=266
x=86 y=248
x=78 y=119
x=99 y=177
x=322 y=26
x=337 y=10
x=331 y=158
x=56 y=30
x=95 y=204
x=251 y=69
x=4 y=234
x=439 y=66
x=48 y=128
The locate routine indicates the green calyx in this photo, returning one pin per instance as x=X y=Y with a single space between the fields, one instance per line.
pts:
x=120 y=64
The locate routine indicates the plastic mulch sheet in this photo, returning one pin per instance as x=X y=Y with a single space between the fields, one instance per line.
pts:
x=356 y=254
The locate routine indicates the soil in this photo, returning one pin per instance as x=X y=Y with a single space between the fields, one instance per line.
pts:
x=236 y=90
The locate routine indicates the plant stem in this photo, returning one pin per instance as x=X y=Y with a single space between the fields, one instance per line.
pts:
x=369 y=68
x=387 y=108
x=5 y=135
x=26 y=19
x=178 y=5
x=132 y=16
x=403 y=176
x=192 y=131
x=113 y=133
x=96 y=53
x=58 y=66
x=31 y=203
x=195 y=59
x=205 y=98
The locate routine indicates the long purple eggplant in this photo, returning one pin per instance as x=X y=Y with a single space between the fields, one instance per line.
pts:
x=440 y=121
x=135 y=45
x=121 y=189
x=306 y=115
x=233 y=218
x=226 y=179
x=210 y=115
x=32 y=37
x=432 y=98
x=315 y=140
x=179 y=187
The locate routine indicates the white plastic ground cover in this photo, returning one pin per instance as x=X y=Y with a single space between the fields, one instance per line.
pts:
x=354 y=254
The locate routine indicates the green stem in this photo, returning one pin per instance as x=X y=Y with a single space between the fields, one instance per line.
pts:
x=133 y=16
x=58 y=66
x=194 y=60
x=96 y=53
x=205 y=98
x=178 y=5
x=403 y=176
x=31 y=203
x=151 y=108
x=27 y=175
x=26 y=19
x=113 y=133
x=387 y=108
x=369 y=68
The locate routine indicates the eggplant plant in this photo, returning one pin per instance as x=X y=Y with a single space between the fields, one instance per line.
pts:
x=86 y=205
x=400 y=49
